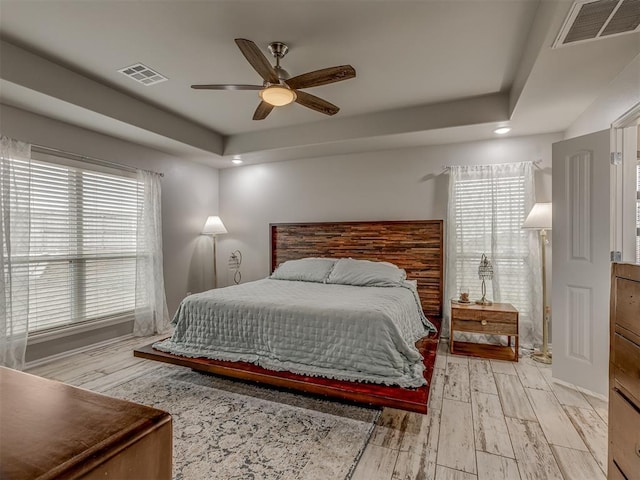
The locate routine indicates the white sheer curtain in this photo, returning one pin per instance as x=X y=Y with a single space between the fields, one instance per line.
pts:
x=15 y=158
x=151 y=313
x=487 y=207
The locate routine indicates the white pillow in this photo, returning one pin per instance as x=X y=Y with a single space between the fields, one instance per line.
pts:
x=304 y=270
x=365 y=273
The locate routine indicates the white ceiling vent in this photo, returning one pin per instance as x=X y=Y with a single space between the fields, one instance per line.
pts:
x=143 y=74
x=591 y=20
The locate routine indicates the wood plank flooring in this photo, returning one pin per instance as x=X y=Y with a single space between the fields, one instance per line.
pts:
x=500 y=420
x=487 y=419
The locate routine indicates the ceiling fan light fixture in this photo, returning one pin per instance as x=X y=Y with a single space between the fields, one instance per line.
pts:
x=278 y=89
x=277 y=95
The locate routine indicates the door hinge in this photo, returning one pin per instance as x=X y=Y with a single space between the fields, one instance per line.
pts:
x=616 y=256
x=616 y=158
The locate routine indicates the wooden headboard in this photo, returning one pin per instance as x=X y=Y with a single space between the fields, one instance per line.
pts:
x=416 y=246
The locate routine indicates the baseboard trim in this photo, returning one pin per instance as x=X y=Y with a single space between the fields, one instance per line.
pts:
x=580 y=389
x=47 y=336
x=51 y=358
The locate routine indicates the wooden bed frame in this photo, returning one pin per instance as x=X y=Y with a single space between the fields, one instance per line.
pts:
x=416 y=246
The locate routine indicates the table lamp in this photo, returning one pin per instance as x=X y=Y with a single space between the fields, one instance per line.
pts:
x=485 y=272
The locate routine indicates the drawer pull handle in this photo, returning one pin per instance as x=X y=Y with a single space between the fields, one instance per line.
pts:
x=638 y=449
x=483 y=322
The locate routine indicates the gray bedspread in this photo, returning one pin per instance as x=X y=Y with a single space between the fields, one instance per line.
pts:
x=336 y=331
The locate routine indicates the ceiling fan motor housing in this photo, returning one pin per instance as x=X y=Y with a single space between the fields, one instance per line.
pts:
x=278 y=49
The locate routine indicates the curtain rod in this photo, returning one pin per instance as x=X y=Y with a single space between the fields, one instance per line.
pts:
x=85 y=158
x=448 y=167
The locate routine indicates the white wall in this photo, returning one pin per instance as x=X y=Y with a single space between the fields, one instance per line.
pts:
x=189 y=193
x=387 y=185
x=619 y=97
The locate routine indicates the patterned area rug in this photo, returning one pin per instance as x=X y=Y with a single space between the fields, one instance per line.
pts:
x=225 y=429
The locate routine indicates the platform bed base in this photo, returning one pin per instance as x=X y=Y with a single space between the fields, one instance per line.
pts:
x=414 y=400
x=416 y=246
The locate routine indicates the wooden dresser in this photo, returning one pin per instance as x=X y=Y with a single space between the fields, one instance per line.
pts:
x=624 y=373
x=50 y=430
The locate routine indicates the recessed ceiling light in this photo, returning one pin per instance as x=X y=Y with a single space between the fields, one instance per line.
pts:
x=502 y=130
x=237 y=161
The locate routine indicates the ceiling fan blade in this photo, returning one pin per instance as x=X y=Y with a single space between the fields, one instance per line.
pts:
x=262 y=111
x=316 y=103
x=257 y=60
x=227 y=87
x=322 y=77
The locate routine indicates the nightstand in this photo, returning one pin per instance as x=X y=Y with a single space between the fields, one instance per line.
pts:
x=495 y=319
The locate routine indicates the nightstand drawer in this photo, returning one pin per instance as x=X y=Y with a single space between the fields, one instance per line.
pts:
x=489 y=326
x=488 y=315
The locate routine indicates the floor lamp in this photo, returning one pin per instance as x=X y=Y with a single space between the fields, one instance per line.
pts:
x=539 y=218
x=214 y=226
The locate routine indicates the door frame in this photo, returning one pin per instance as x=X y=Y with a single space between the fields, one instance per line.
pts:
x=624 y=144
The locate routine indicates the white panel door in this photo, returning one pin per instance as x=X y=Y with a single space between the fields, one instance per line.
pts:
x=581 y=260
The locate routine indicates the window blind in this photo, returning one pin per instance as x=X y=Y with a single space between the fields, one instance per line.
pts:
x=489 y=216
x=82 y=261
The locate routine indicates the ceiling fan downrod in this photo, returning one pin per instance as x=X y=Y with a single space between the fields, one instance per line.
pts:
x=279 y=50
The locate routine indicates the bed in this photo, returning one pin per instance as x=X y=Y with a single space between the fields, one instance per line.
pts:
x=339 y=339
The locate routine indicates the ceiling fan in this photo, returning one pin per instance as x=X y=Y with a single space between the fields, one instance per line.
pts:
x=277 y=88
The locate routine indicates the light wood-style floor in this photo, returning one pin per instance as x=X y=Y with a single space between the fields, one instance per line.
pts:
x=487 y=420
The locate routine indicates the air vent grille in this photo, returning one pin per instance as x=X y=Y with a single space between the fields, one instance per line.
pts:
x=143 y=74
x=626 y=18
x=590 y=20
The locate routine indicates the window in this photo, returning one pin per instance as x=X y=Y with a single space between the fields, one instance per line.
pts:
x=82 y=260
x=487 y=207
x=493 y=205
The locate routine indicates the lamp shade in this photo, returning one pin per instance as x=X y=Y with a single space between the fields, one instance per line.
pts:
x=485 y=270
x=539 y=217
x=214 y=226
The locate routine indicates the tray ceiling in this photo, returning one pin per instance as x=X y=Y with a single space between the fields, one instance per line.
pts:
x=409 y=56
